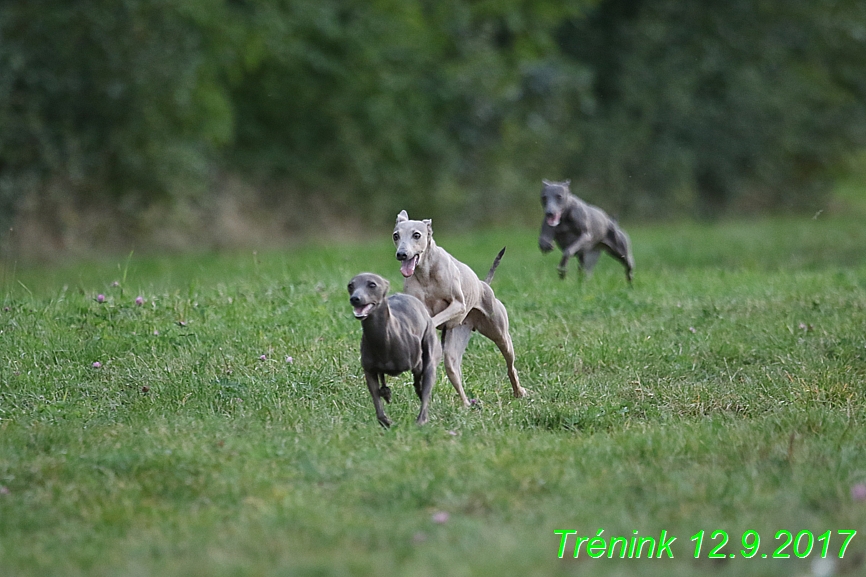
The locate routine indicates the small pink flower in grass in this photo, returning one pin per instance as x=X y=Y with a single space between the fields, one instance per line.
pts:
x=858 y=492
x=440 y=517
x=100 y=298
x=115 y=284
x=96 y=365
x=289 y=360
x=139 y=301
x=263 y=358
x=4 y=490
x=419 y=538
x=692 y=330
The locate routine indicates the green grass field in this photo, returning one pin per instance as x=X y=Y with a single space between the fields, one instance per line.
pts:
x=724 y=391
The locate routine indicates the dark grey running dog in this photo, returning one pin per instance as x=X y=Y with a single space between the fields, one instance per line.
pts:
x=580 y=229
x=457 y=299
x=398 y=336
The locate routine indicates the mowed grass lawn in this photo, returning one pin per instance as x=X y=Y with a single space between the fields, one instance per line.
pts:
x=724 y=391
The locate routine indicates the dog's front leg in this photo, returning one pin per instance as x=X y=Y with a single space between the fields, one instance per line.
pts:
x=545 y=239
x=578 y=245
x=373 y=385
x=455 y=309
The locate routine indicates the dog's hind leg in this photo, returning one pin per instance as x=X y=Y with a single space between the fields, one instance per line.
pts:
x=424 y=382
x=454 y=343
x=495 y=328
x=425 y=379
x=373 y=385
x=588 y=259
x=507 y=350
x=384 y=390
x=618 y=245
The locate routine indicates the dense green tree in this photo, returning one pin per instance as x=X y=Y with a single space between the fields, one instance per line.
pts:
x=709 y=104
x=432 y=106
x=125 y=94
x=405 y=99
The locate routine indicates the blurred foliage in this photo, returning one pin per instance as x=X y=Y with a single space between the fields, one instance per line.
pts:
x=403 y=100
x=747 y=101
x=125 y=93
x=439 y=107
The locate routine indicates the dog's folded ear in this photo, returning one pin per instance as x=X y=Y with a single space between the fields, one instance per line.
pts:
x=546 y=182
x=567 y=182
x=386 y=284
x=403 y=216
x=429 y=223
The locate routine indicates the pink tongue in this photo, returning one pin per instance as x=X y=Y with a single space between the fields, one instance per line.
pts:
x=553 y=220
x=407 y=269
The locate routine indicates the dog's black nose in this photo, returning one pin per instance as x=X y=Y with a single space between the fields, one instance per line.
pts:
x=401 y=255
x=355 y=300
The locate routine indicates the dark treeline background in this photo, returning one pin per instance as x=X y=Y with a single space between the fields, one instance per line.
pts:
x=162 y=112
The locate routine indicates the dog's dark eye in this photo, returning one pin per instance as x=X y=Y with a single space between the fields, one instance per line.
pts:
x=351 y=287
x=396 y=236
x=417 y=235
x=558 y=197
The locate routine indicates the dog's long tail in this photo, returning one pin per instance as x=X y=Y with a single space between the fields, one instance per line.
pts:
x=492 y=271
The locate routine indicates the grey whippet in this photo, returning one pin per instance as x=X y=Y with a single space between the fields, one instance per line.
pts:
x=455 y=297
x=580 y=229
x=398 y=336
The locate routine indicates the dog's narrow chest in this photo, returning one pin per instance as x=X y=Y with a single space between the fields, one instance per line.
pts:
x=379 y=363
x=390 y=351
x=573 y=223
x=427 y=288
x=565 y=234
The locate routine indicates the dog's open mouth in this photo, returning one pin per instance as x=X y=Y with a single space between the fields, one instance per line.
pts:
x=362 y=312
x=407 y=269
x=553 y=219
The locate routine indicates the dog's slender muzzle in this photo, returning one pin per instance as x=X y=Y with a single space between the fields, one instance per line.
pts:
x=407 y=269
x=361 y=309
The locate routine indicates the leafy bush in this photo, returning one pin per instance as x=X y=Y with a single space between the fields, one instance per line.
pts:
x=444 y=107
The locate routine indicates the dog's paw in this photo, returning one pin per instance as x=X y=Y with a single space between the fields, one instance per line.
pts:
x=545 y=246
x=384 y=421
x=385 y=393
x=561 y=271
